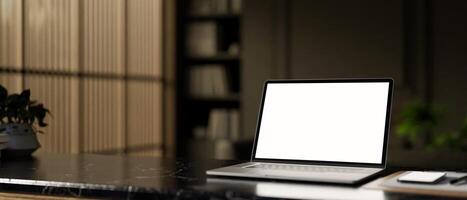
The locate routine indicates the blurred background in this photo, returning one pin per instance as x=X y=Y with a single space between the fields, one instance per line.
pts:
x=184 y=78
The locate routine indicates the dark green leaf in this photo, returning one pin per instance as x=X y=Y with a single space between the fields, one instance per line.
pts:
x=19 y=108
x=3 y=93
x=32 y=102
x=24 y=97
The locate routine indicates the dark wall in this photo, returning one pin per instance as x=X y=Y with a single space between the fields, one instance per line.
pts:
x=450 y=60
x=421 y=44
x=345 y=39
x=317 y=39
x=263 y=55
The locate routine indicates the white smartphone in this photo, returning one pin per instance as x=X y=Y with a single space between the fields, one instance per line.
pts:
x=422 y=177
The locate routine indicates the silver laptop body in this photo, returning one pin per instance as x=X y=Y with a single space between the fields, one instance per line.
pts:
x=330 y=130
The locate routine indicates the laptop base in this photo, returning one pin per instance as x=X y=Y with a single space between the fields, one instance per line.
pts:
x=245 y=170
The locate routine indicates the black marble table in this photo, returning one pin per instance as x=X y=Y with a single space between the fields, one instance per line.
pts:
x=122 y=177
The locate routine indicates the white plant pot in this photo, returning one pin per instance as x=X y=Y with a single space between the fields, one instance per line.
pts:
x=22 y=141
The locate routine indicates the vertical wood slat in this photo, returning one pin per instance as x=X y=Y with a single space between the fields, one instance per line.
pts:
x=103 y=115
x=74 y=58
x=56 y=93
x=144 y=114
x=145 y=37
x=103 y=41
x=48 y=35
x=12 y=82
x=10 y=33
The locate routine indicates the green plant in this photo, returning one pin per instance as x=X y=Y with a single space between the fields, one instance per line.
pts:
x=417 y=119
x=419 y=122
x=456 y=140
x=19 y=108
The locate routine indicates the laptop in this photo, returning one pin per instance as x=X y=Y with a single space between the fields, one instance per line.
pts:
x=333 y=130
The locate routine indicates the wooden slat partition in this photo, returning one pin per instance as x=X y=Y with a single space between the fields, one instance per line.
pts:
x=13 y=82
x=144 y=114
x=103 y=115
x=59 y=94
x=10 y=33
x=145 y=37
x=103 y=36
x=97 y=64
x=51 y=41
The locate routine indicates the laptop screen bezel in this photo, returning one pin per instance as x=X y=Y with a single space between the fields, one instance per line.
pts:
x=316 y=162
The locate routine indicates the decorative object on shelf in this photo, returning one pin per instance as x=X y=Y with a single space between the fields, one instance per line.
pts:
x=18 y=117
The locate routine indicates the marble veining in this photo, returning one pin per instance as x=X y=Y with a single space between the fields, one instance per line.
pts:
x=121 y=177
x=74 y=174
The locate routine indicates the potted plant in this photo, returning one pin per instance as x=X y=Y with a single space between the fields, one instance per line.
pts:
x=19 y=116
x=418 y=120
x=425 y=141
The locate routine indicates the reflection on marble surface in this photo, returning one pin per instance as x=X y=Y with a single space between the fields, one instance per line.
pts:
x=291 y=190
x=295 y=191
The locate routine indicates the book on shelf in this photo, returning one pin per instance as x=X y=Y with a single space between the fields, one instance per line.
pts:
x=4 y=138
x=208 y=81
x=236 y=6
x=223 y=149
x=223 y=124
x=199 y=132
x=234 y=49
x=208 y=7
x=200 y=7
x=3 y=141
x=218 y=124
x=234 y=124
x=3 y=145
x=221 y=7
x=201 y=39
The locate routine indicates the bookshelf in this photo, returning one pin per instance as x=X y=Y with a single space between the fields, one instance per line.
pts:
x=209 y=64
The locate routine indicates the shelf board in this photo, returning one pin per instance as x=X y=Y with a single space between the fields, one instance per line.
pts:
x=231 y=101
x=214 y=17
x=214 y=59
x=228 y=98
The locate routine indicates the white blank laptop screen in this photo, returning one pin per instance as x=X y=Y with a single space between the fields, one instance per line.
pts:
x=339 y=122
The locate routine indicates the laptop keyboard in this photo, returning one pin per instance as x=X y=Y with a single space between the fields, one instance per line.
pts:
x=306 y=168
